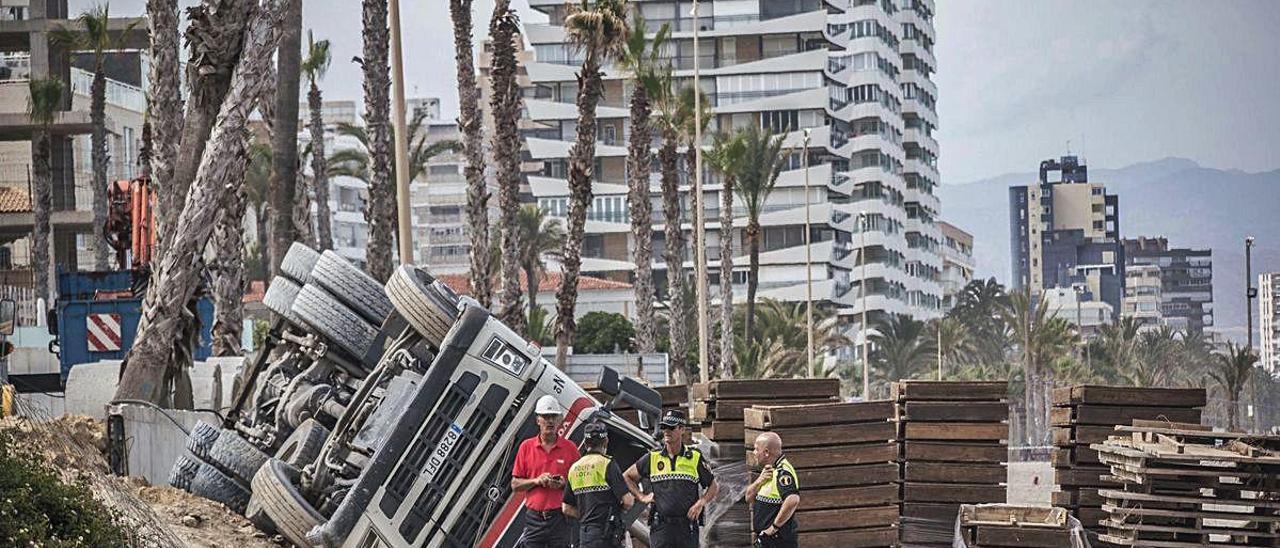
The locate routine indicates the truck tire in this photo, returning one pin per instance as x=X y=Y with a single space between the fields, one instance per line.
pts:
x=298 y=262
x=275 y=493
x=201 y=439
x=184 y=469
x=212 y=484
x=426 y=308
x=354 y=288
x=236 y=456
x=334 y=321
x=279 y=298
x=304 y=444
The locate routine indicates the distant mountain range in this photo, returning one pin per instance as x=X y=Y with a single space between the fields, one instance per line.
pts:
x=1192 y=206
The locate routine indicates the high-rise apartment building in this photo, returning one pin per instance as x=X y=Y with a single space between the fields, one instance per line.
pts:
x=1065 y=233
x=1186 y=278
x=1269 y=320
x=957 y=262
x=855 y=74
x=1142 y=294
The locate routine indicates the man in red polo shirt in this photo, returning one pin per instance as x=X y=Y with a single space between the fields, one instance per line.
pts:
x=542 y=462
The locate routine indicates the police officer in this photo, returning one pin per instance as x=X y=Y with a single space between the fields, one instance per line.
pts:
x=676 y=474
x=596 y=494
x=774 y=495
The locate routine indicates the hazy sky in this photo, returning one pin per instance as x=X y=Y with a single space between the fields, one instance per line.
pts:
x=1122 y=81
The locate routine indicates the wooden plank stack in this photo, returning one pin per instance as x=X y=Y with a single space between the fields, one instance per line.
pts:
x=1084 y=415
x=717 y=409
x=952 y=450
x=845 y=456
x=1007 y=525
x=1182 y=485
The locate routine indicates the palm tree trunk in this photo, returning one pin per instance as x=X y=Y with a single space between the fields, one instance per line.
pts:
x=164 y=110
x=380 y=211
x=284 y=132
x=726 y=279
x=228 y=270
x=320 y=179
x=469 y=122
x=638 y=164
x=143 y=373
x=675 y=249
x=302 y=215
x=214 y=36
x=753 y=276
x=42 y=208
x=505 y=105
x=581 y=162
x=98 y=142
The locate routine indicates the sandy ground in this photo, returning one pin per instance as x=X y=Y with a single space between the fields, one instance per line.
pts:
x=155 y=516
x=1030 y=483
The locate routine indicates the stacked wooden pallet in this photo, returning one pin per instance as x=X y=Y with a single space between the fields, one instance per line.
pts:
x=1182 y=485
x=845 y=456
x=952 y=450
x=1084 y=415
x=716 y=408
x=1006 y=525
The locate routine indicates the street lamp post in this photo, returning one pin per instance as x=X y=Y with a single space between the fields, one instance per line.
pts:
x=1249 y=291
x=862 y=258
x=808 y=257
x=404 y=227
x=699 y=212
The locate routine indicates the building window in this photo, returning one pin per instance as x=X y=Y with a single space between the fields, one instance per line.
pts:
x=780 y=121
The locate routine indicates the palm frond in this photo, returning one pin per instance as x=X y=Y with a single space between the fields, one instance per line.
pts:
x=316 y=62
x=45 y=100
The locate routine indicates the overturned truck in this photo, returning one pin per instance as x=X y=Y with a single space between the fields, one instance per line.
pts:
x=388 y=416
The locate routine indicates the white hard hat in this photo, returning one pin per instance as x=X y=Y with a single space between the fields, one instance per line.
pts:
x=547 y=405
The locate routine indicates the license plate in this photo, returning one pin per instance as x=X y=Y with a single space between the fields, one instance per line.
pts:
x=437 y=458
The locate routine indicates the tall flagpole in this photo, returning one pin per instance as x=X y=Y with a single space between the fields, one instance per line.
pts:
x=808 y=258
x=404 y=227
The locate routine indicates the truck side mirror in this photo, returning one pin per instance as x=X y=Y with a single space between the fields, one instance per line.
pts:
x=626 y=389
x=51 y=320
x=8 y=316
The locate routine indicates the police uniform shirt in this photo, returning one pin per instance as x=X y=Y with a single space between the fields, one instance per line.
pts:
x=595 y=487
x=675 y=481
x=770 y=496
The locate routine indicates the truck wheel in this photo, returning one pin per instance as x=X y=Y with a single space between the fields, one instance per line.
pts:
x=304 y=444
x=351 y=286
x=298 y=262
x=279 y=298
x=422 y=304
x=211 y=483
x=202 y=438
x=257 y=516
x=275 y=492
x=184 y=469
x=236 y=456
x=334 y=321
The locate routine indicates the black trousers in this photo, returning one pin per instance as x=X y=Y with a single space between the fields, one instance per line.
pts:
x=597 y=536
x=544 y=530
x=783 y=539
x=673 y=533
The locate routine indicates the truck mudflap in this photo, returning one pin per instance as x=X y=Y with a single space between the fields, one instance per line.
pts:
x=334 y=531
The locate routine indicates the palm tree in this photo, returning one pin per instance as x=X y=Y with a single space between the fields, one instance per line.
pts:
x=314 y=66
x=1156 y=358
x=668 y=163
x=1232 y=371
x=1042 y=340
x=642 y=61
x=214 y=34
x=780 y=346
x=380 y=210
x=469 y=122
x=980 y=308
x=164 y=109
x=94 y=36
x=952 y=342
x=1117 y=350
x=227 y=270
x=43 y=105
x=257 y=179
x=598 y=29
x=540 y=237
x=146 y=372
x=726 y=156
x=903 y=348
x=693 y=116
x=762 y=162
x=505 y=105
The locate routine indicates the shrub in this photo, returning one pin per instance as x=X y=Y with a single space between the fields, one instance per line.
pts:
x=38 y=509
